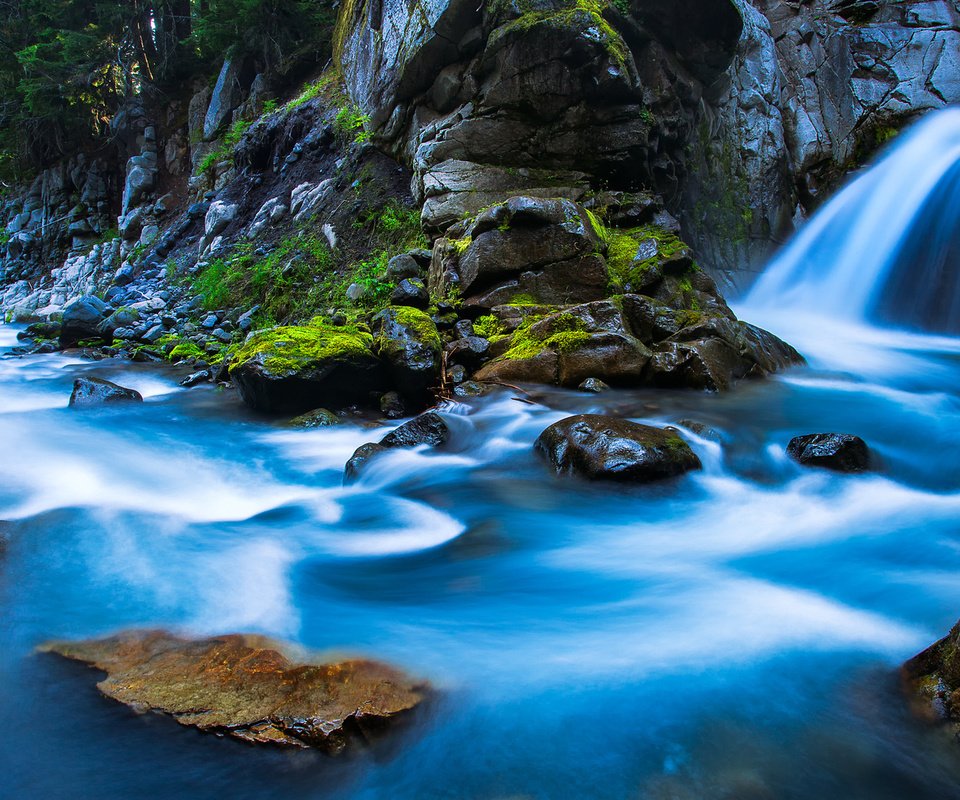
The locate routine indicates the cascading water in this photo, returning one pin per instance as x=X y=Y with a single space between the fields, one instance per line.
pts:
x=886 y=249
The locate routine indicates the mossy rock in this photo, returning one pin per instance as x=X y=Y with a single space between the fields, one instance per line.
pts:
x=931 y=681
x=409 y=345
x=294 y=369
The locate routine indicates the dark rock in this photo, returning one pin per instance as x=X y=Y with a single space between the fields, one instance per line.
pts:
x=457 y=374
x=471 y=351
x=81 y=320
x=96 y=391
x=245 y=687
x=931 y=679
x=298 y=368
x=410 y=292
x=463 y=328
x=840 y=452
x=196 y=378
x=40 y=330
x=408 y=343
x=392 y=407
x=596 y=446
x=428 y=428
x=360 y=458
x=402 y=267
x=472 y=389
x=593 y=385
x=318 y=418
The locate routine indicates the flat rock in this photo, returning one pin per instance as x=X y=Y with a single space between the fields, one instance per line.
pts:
x=600 y=447
x=245 y=687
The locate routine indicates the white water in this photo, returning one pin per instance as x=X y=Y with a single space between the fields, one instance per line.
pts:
x=883 y=250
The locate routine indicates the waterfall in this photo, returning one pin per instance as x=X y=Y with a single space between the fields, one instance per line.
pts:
x=886 y=250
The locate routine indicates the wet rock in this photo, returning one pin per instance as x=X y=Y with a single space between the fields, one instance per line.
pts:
x=841 y=452
x=403 y=266
x=410 y=292
x=392 y=406
x=601 y=447
x=318 y=418
x=408 y=343
x=426 y=429
x=96 y=391
x=298 y=368
x=593 y=385
x=81 y=320
x=196 y=378
x=470 y=351
x=247 y=688
x=931 y=679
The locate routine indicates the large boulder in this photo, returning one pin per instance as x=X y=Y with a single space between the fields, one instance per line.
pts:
x=81 y=320
x=409 y=345
x=97 y=392
x=294 y=369
x=840 y=452
x=247 y=688
x=601 y=447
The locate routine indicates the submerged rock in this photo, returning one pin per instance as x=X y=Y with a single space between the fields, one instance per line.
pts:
x=597 y=446
x=841 y=452
x=243 y=686
x=931 y=680
x=428 y=428
x=96 y=391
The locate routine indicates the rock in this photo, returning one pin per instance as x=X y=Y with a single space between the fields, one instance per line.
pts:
x=318 y=418
x=96 y=391
x=593 y=385
x=408 y=343
x=359 y=460
x=410 y=292
x=196 y=378
x=297 y=368
x=392 y=406
x=403 y=266
x=840 y=452
x=81 y=320
x=470 y=351
x=600 y=447
x=227 y=95
x=426 y=429
x=931 y=679
x=247 y=688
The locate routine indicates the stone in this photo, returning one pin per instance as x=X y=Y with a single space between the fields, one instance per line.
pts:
x=227 y=95
x=89 y=392
x=840 y=452
x=403 y=266
x=81 y=319
x=294 y=369
x=195 y=378
x=246 y=687
x=930 y=681
x=593 y=385
x=470 y=351
x=426 y=429
x=318 y=418
x=410 y=292
x=608 y=448
x=409 y=345
x=392 y=406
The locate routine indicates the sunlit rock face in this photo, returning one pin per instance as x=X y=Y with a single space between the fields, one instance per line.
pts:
x=245 y=687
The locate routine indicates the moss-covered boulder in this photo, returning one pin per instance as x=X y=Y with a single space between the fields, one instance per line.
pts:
x=247 y=688
x=409 y=345
x=931 y=680
x=601 y=447
x=294 y=369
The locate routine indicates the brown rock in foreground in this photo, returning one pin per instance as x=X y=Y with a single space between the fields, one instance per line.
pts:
x=243 y=686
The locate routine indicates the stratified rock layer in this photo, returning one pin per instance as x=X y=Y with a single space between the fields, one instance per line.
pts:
x=243 y=686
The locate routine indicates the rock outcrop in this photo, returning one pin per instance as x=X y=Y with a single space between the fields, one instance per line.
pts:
x=246 y=688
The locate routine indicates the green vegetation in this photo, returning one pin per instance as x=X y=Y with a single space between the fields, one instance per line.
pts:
x=225 y=151
x=422 y=327
x=623 y=246
x=487 y=326
x=185 y=351
x=290 y=349
x=351 y=123
x=562 y=332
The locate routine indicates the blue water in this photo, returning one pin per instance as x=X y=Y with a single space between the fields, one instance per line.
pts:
x=732 y=634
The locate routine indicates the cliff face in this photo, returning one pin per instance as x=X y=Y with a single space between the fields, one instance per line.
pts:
x=741 y=117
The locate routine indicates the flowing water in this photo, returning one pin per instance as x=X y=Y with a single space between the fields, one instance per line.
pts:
x=731 y=634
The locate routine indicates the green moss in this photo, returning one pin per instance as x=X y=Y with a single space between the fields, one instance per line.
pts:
x=185 y=351
x=487 y=326
x=290 y=349
x=421 y=325
x=523 y=299
x=564 y=334
x=460 y=245
x=622 y=247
